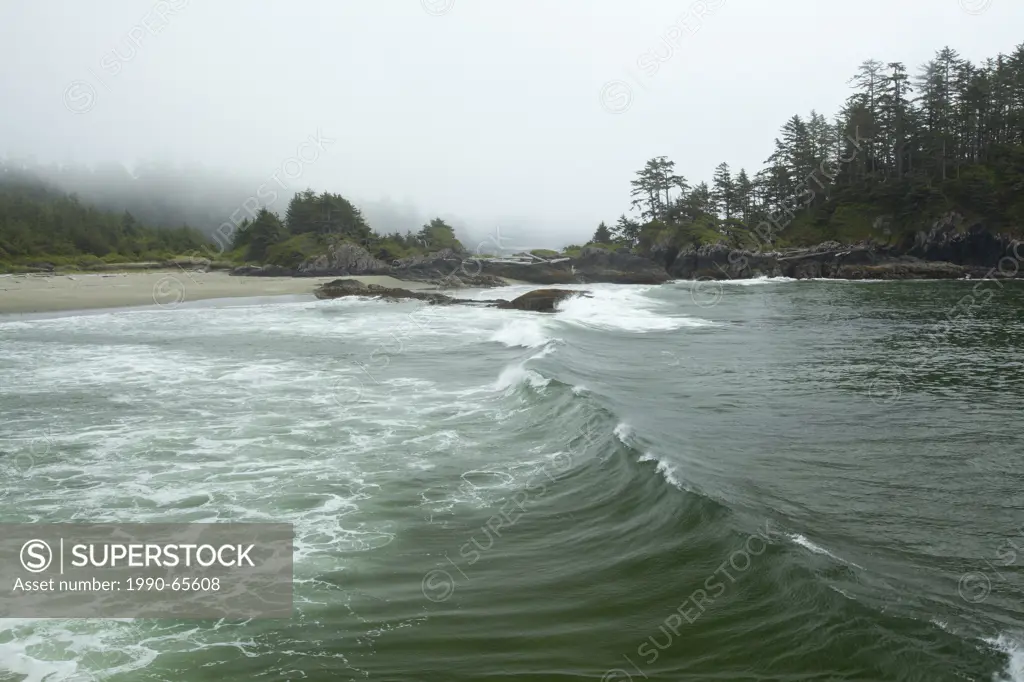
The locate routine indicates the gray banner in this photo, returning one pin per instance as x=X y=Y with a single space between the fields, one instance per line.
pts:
x=201 y=570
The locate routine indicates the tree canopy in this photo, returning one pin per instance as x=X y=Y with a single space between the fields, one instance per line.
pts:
x=909 y=148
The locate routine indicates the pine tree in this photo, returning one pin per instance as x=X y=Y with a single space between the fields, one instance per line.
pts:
x=602 y=235
x=627 y=231
x=724 y=193
x=653 y=186
x=744 y=196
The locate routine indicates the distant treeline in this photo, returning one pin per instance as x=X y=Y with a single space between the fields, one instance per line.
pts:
x=313 y=221
x=41 y=223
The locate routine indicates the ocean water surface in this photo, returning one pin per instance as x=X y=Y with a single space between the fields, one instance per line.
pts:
x=756 y=480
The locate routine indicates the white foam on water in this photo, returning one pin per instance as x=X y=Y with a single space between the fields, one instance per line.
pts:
x=842 y=592
x=48 y=650
x=622 y=308
x=207 y=435
x=1014 y=650
x=667 y=471
x=763 y=279
x=624 y=432
x=522 y=333
x=515 y=375
x=818 y=549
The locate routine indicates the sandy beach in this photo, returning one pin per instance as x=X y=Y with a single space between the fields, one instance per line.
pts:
x=168 y=289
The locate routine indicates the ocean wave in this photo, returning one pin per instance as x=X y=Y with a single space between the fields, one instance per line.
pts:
x=1014 y=650
x=623 y=309
x=522 y=333
x=516 y=375
x=667 y=471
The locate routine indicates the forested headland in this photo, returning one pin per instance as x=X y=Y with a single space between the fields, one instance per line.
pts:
x=903 y=151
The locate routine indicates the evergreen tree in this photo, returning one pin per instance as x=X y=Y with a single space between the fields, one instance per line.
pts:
x=263 y=232
x=653 y=186
x=602 y=235
x=437 y=235
x=723 y=195
x=745 y=196
x=627 y=231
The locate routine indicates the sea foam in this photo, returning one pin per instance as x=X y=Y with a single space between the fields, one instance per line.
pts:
x=623 y=309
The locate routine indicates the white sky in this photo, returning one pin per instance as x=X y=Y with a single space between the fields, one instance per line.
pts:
x=490 y=110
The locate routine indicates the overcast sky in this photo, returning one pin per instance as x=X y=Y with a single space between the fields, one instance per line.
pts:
x=532 y=112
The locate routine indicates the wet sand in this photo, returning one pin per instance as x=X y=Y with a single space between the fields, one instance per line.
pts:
x=166 y=289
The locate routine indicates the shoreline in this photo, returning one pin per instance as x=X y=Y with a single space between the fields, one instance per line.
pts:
x=28 y=294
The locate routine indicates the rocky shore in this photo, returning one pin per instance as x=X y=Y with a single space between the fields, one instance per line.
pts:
x=947 y=251
x=540 y=301
x=449 y=269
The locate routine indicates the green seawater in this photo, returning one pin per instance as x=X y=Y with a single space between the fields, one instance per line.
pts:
x=750 y=481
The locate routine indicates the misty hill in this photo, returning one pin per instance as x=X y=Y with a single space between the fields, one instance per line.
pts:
x=38 y=222
x=168 y=195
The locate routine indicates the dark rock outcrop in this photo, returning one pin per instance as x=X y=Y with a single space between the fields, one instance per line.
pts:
x=446 y=269
x=541 y=301
x=903 y=269
x=591 y=266
x=948 y=241
x=821 y=262
x=944 y=252
x=341 y=288
x=718 y=261
x=343 y=258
